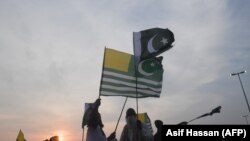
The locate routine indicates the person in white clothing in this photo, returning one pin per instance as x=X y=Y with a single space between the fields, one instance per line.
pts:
x=95 y=125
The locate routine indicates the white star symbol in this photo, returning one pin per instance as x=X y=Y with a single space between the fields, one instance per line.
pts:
x=164 y=41
x=152 y=64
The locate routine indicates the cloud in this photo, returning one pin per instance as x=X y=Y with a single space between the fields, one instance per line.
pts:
x=8 y=117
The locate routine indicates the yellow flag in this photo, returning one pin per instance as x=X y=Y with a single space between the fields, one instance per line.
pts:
x=20 y=136
x=145 y=120
x=117 y=60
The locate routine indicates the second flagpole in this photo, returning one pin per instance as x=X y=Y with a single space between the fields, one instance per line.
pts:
x=121 y=113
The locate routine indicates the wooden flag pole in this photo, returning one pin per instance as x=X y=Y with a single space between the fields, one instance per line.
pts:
x=137 y=109
x=102 y=72
x=82 y=133
x=136 y=62
x=121 y=113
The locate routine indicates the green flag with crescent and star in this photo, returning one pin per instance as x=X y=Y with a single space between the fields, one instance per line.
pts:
x=119 y=79
x=152 y=42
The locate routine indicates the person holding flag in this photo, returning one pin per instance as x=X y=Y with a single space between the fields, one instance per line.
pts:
x=132 y=131
x=95 y=125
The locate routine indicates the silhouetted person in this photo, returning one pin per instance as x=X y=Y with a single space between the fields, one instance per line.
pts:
x=158 y=125
x=132 y=131
x=95 y=125
x=54 y=138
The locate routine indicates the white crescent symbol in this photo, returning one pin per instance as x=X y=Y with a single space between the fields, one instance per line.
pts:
x=150 y=45
x=141 y=71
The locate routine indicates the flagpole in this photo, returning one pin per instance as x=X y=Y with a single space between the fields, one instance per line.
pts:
x=136 y=60
x=137 y=109
x=192 y=120
x=82 y=133
x=102 y=72
x=121 y=113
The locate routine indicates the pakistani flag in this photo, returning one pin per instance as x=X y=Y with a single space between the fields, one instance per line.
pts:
x=119 y=76
x=152 y=42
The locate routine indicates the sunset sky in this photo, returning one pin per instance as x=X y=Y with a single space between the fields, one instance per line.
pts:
x=51 y=55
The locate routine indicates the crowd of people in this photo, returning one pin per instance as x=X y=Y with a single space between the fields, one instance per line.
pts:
x=134 y=130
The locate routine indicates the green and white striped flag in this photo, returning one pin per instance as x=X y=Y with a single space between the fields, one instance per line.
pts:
x=119 y=76
x=145 y=120
x=147 y=129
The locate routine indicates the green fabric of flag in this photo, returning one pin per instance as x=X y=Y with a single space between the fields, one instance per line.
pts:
x=119 y=76
x=152 y=42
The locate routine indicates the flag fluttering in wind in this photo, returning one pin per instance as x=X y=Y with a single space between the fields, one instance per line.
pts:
x=152 y=42
x=215 y=110
x=144 y=118
x=119 y=79
x=20 y=136
x=146 y=124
